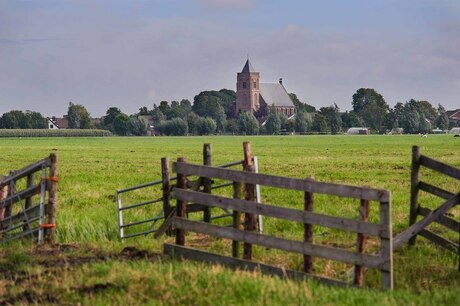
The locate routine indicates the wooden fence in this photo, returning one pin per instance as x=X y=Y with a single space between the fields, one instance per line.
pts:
x=154 y=215
x=382 y=260
x=20 y=215
x=439 y=214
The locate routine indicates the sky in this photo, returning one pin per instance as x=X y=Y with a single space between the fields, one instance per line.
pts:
x=129 y=54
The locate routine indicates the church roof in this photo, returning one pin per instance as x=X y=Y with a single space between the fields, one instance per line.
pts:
x=248 y=67
x=275 y=94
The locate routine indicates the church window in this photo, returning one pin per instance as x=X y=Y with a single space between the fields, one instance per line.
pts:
x=244 y=85
x=255 y=84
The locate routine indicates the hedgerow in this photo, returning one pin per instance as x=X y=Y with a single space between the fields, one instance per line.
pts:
x=53 y=133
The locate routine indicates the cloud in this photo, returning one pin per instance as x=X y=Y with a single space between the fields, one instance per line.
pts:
x=229 y=4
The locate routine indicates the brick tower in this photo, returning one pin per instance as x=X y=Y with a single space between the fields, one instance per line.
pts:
x=247 y=89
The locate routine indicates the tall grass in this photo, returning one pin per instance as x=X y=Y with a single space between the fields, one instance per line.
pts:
x=92 y=169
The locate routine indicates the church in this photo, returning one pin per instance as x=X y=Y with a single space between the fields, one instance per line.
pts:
x=252 y=95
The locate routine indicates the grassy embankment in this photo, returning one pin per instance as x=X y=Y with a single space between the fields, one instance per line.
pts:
x=92 y=269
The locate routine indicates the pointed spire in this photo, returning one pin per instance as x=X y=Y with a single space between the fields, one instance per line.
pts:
x=248 y=67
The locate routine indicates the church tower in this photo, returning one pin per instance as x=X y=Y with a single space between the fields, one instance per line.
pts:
x=247 y=89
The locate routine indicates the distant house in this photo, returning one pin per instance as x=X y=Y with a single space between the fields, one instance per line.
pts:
x=454 y=116
x=252 y=95
x=58 y=123
x=150 y=127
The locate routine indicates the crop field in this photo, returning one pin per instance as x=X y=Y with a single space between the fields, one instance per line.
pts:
x=89 y=265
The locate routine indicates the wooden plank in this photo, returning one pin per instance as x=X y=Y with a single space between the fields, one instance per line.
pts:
x=207 y=160
x=386 y=247
x=29 y=200
x=14 y=198
x=370 y=261
x=438 y=240
x=443 y=219
x=435 y=190
x=181 y=206
x=235 y=263
x=361 y=241
x=18 y=174
x=414 y=187
x=166 y=224
x=417 y=227
x=31 y=212
x=309 y=199
x=236 y=216
x=283 y=213
x=440 y=167
x=284 y=182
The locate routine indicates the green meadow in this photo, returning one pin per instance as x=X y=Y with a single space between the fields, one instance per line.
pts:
x=90 y=266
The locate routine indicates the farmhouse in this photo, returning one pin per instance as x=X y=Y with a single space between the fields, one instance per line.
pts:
x=454 y=116
x=55 y=123
x=252 y=96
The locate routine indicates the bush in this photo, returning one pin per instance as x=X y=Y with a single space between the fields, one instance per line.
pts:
x=248 y=124
x=174 y=127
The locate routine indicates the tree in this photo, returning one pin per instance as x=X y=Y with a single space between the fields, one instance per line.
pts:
x=143 y=111
x=416 y=116
x=137 y=126
x=205 y=105
x=121 y=124
x=273 y=123
x=206 y=126
x=35 y=120
x=333 y=118
x=351 y=119
x=442 y=121
x=247 y=124
x=300 y=123
x=157 y=115
x=173 y=127
x=23 y=120
x=110 y=115
x=371 y=107
x=319 y=124
x=192 y=122
x=13 y=120
x=78 y=117
x=300 y=106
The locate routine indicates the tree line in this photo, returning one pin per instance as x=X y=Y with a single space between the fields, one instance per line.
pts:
x=214 y=112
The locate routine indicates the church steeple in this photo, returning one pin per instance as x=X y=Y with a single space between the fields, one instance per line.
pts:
x=247 y=89
x=247 y=67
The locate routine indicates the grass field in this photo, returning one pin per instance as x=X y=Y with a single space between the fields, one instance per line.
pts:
x=92 y=267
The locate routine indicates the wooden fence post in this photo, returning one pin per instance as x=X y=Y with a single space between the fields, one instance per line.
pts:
x=166 y=185
x=53 y=174
x=414 y=187
x=207 y=161
x=236 y=218
x=363 y=216
x=11 y=192
x=308 y=230
x=249 y=195
x=29 y=200
x=181 y=210
x=386 y=245
x=3 y=195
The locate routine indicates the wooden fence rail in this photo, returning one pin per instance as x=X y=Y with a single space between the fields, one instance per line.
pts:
x=429 y=216
x=19 y=215
x=382 y=260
